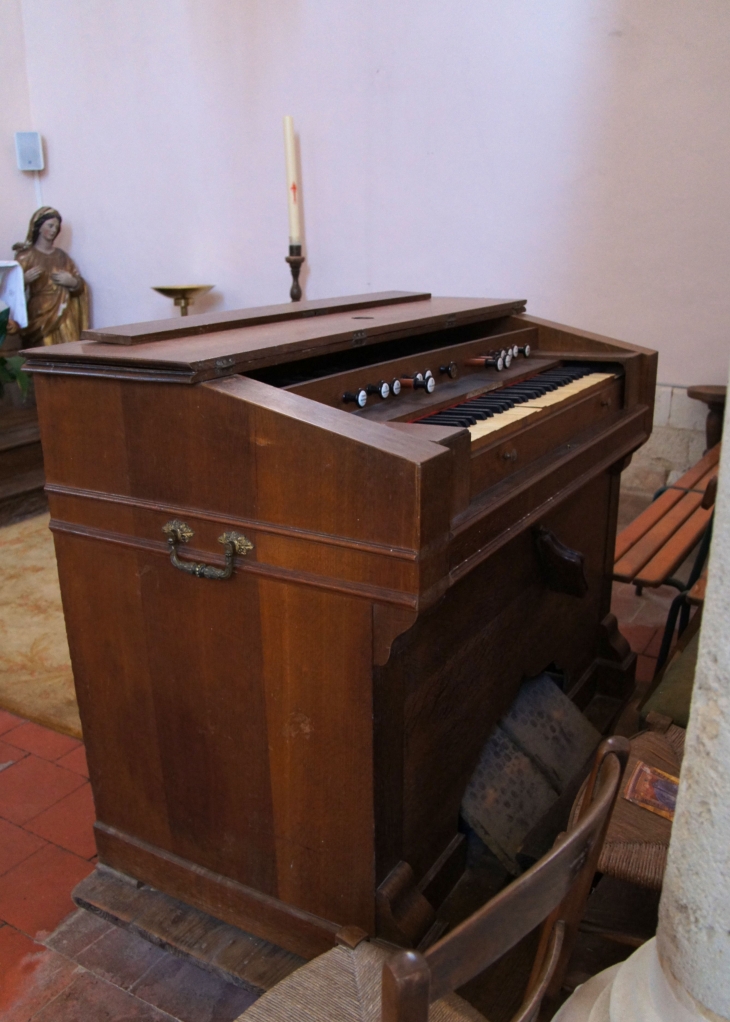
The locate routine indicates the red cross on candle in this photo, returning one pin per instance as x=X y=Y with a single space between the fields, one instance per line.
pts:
x=295 y=229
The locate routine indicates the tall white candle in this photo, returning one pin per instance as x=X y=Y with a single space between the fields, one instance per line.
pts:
x=292 y=183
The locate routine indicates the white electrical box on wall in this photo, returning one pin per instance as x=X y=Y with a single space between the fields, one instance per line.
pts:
x=29 y=150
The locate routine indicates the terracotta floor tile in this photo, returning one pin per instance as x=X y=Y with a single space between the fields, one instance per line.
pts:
x=69 y=823
x=32 y=785
x=8 y=721
x=654 y=606
x=16 y=844
x=624 y=601
x=190 y=993
x=78 y=932
x=645 y=666
x=9 y=754
x=41 y=741
x=637 y=636
x=75 y=761
x=89 y=999
x=648 y=610
x=654 y=645
x=36 y=894
x=121 y=957
x=31 y=975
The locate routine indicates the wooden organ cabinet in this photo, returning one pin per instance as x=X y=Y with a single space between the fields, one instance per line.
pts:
x=287 y=747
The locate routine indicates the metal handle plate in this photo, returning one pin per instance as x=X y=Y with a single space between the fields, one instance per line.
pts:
x=178 y=532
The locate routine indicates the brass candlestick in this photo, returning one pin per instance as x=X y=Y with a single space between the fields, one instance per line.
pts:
x=185 y=295
x=295 y=260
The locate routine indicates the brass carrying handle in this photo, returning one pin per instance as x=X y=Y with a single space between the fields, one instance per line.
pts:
x=178 y=532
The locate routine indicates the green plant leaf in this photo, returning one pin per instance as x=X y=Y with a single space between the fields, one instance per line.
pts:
x=11 y=371
x=21 y=378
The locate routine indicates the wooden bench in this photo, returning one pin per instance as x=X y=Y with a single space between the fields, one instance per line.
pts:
x=654 y=545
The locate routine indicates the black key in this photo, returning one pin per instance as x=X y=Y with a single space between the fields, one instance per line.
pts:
x=451 y=420
x=474 y=413
x=494 y=409
x=486 y=399
x=493 y=402
x=526 y=394
x=518 y=396
x=541 y=384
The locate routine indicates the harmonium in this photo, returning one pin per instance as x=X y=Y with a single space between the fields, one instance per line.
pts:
x=307 y=554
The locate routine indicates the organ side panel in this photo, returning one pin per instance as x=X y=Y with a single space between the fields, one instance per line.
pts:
x=229 y=722
x=455 y=673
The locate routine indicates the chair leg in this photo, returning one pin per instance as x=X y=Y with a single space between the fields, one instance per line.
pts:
x=697 y=568
x=683 y=617
x=701 y=554
x=677 y=604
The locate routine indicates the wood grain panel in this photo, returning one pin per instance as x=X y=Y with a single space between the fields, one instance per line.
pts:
x=317 y=680
x=225 y=353
x=206 y=322
x=105 y=625
x=234 y=447
x=253 y=911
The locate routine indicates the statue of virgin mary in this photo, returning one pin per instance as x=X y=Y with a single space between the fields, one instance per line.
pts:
x=58 y=302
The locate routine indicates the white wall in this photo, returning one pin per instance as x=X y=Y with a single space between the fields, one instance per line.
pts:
x=17 y=190
x=572 y=153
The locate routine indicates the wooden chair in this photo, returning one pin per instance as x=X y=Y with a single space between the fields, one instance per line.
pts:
x=636 y=843
x=345 y=983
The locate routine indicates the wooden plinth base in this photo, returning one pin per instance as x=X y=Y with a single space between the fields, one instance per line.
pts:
x=236 y=956
x=21 y=464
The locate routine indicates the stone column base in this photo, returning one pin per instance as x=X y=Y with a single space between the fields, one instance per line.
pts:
x=636 y=990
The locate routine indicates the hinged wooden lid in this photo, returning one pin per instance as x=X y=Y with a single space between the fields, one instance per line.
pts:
x=270 y=338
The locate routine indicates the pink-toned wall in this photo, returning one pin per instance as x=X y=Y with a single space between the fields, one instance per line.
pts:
x=17 y=190
x=574 y=154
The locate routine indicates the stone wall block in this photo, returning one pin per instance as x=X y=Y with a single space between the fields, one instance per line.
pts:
x=662 y=404
x=686 y=413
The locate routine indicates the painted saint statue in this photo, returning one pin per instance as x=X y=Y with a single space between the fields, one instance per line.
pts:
x=58 y=301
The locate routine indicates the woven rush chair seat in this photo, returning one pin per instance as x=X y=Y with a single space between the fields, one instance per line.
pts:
x=369 y=981
x=343 y=985
x=636 y=843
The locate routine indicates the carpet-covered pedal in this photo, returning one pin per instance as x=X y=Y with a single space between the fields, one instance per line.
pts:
x=527 y=762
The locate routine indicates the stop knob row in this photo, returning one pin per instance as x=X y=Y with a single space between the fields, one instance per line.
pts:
x=426 y=381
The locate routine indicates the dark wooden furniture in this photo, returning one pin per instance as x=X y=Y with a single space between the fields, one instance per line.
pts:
x=553 y=892
x=636 y=841
x=286 y=746
x=346 y=982
x=237 y=957
x=21 y=462
x=714 y=397
x=654 y=545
